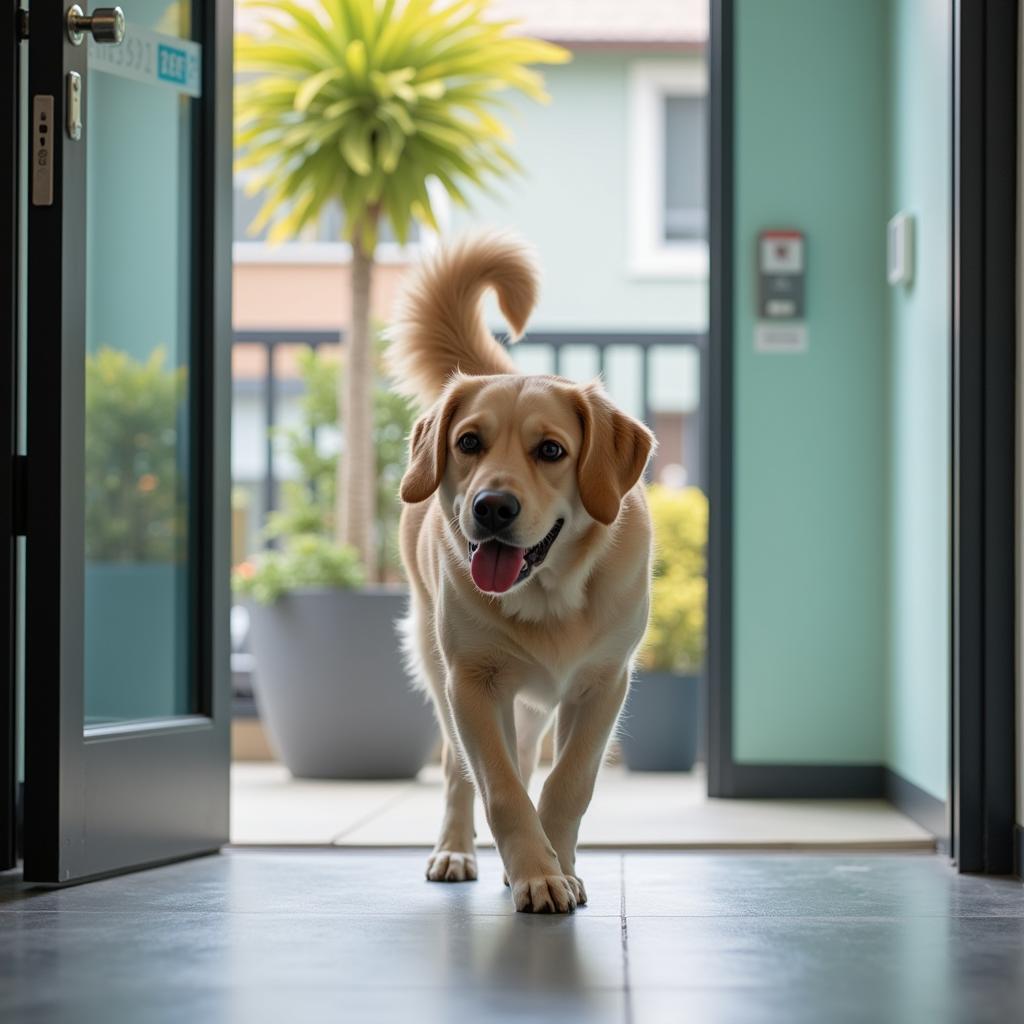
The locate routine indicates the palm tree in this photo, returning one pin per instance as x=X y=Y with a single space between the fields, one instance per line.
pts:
x=363 y=103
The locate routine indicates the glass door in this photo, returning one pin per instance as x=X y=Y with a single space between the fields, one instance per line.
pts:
x=127 y=679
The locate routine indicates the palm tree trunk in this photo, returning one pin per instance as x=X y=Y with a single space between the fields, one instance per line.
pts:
x=357 y=475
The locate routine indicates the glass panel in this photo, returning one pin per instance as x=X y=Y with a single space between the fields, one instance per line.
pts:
x=530 y=358
x=138 y=127
x=624 y=378
x=674 y=380
x=580 y=362
x=685 y=188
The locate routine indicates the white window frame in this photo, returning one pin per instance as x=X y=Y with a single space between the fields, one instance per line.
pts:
x=650 y=254
x=320 y=252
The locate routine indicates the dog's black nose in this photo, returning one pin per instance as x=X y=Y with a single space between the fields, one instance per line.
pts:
x=494 y=510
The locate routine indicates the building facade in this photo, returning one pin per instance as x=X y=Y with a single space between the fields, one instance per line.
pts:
x=612 y=197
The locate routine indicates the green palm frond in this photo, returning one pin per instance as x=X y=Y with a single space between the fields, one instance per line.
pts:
x=362 y=102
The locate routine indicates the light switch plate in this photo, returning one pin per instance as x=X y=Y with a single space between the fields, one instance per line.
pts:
x=900 y=249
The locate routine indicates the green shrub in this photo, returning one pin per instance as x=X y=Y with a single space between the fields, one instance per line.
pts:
x=306 y=560
x=676 y=634
x=307 y=555
x=134 y=482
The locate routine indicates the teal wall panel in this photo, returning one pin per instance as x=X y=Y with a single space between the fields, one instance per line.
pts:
x=810 y=495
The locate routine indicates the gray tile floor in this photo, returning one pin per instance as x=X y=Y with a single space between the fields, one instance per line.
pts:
x=360 y=936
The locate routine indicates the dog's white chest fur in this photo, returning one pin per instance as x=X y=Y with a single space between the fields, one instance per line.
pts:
x=547 y=599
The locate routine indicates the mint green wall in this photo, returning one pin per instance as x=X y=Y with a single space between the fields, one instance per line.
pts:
x=572 y=204
x=919 y=371
x=810 y=430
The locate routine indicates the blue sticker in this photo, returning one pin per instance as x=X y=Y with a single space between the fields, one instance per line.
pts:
x=171 y=64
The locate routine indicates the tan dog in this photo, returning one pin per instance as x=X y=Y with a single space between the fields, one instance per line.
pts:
x=527 y=543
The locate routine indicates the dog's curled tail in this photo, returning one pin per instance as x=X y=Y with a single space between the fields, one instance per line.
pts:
x=440 y=329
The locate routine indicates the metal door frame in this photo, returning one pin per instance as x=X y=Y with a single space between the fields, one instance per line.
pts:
x=984 y=439
x=10 y=69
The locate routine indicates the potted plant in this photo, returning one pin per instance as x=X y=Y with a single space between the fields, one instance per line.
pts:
x=135 y=560
x=660 y=728
x=329 y=679
x=361 y=104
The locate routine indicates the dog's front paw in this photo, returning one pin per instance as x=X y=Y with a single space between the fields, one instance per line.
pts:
x=578 y=889
x=545 y=894
x=575 y=883
x=451 y=866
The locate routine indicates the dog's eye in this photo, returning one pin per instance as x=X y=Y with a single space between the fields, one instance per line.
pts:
x=550 y=451
x=469 y=443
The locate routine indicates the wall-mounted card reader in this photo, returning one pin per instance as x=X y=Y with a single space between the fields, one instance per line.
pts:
x=780 y=273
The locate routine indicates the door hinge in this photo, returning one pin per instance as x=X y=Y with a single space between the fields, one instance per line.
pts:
x=19 y=495
x=22 y=25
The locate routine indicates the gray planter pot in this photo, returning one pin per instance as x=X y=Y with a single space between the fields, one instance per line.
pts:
x=331 y=687
x=661 y=724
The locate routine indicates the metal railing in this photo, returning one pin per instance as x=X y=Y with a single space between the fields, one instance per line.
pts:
x=272 y=387
x=645 y=342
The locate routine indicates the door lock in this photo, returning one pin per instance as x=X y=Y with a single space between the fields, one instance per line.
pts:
x=105 y=24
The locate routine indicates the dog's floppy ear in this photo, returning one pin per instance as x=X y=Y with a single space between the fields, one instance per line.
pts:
x=614 y=452
x=428 y=448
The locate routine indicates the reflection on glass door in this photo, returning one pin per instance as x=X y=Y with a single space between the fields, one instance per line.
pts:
x=140 y=99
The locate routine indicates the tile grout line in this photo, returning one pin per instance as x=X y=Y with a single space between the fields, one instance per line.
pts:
x=624 y=932
x=371 y=815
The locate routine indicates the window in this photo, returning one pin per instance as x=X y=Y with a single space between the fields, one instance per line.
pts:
x=668 y=168
x=322 y=242
x=686 y=210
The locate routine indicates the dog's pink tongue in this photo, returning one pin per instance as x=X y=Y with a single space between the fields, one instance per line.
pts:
x=495 y=566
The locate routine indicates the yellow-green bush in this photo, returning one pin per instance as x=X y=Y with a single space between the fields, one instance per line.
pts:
x=675 y=639
x=134 y=457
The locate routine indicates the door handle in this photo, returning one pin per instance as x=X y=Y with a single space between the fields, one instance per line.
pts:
x=105 y=24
